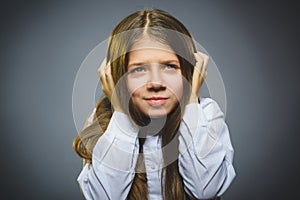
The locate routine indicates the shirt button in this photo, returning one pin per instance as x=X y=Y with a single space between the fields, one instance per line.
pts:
x=152 y=166
x=132 y=129
x=85 y=180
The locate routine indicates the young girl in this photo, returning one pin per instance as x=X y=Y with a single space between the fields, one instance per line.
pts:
x=151 y=137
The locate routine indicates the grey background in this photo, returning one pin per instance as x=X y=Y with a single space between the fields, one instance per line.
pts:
x=254 y=44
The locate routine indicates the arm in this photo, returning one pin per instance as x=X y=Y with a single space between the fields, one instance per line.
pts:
x=113 y=161
x=206 y=153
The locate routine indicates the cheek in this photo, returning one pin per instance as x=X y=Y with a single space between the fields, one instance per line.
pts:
x=134 y=84
x=134 y=88
x=175 y=84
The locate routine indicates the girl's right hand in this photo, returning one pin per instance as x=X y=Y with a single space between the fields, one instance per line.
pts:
x=108 y=85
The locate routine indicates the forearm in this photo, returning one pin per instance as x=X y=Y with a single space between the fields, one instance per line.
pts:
x=113 y=161
x=206 y=153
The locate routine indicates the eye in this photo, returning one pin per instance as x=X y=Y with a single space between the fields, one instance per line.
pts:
x=137 y=70
x=170 y=66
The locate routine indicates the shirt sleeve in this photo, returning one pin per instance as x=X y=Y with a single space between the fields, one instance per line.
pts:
x=206 y=152
x=113 y=161
x=90 y=118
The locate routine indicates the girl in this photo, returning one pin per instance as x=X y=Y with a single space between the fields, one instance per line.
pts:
x=151 y=137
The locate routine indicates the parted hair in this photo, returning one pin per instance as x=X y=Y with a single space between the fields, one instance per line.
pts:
x=164 y=28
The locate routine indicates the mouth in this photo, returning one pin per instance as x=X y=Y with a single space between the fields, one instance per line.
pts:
x=156 y=100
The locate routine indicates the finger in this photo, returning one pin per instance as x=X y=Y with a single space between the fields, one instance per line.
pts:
x=199 y=61
x=104 y=76
x=109 y=78
x=205 y=60
x=203 y=68
x=102 y=67
x=104 y=73
x=199 y=73
x=196 y=75
x=198 y=56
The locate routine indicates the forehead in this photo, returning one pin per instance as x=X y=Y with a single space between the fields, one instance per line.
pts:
x=148 y=43
x=151 y=55
x=149 y=50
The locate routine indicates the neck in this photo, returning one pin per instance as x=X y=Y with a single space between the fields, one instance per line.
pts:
x=154 y=127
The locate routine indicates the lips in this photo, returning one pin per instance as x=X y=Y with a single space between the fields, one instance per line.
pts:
x=156 y=100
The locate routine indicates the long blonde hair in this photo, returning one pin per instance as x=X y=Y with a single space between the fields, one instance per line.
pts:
x=156 y=24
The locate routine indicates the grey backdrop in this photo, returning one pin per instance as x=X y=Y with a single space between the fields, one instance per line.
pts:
x=254 y=44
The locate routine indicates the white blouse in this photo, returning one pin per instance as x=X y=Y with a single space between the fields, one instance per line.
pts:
x=205 y=156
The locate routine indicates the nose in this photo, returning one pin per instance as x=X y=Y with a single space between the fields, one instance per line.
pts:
x=155 y=81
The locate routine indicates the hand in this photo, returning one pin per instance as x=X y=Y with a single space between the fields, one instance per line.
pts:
x=108 y=85
x=199 y=75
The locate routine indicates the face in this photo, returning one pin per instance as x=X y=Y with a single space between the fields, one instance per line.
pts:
x=154 y=78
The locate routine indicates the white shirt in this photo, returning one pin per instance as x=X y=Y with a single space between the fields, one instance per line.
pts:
x=205 y=156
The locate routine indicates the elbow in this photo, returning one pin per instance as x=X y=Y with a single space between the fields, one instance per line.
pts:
x=206 y=194
x=203 y=192
x=217 y=185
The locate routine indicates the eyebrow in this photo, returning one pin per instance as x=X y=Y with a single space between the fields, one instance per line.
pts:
x=162 y=62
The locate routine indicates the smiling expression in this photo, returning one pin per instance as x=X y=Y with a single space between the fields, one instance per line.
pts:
x=154 y=78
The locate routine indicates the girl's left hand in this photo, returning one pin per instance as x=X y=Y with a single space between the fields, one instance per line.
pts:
x=199 y=75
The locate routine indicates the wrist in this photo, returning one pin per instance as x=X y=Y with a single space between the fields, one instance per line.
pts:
x=194 y=99
x=118 y=109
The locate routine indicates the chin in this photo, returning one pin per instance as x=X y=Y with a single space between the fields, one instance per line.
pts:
x=157 y=113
